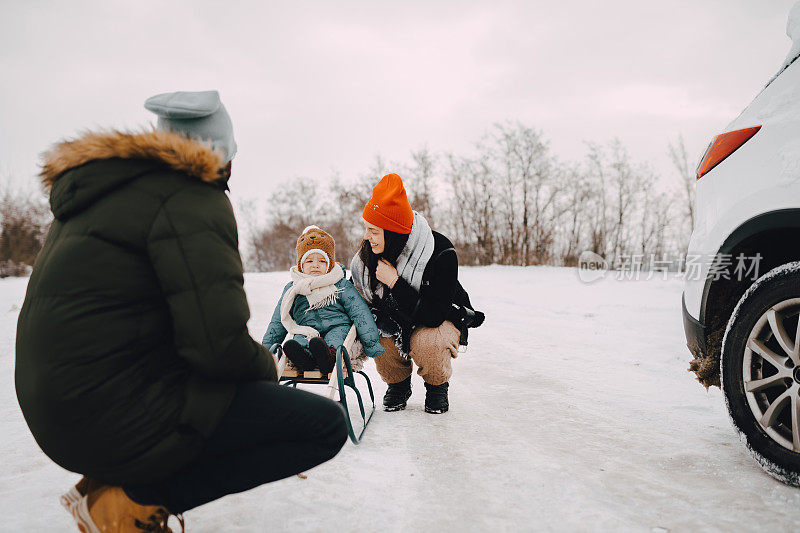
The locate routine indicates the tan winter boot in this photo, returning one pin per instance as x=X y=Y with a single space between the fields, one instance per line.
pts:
x=72 y=498
x=81 y=488
x=111 y=511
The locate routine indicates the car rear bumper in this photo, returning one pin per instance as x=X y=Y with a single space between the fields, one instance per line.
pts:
x=695 y=332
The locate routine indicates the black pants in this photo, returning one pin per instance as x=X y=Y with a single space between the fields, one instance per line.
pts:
x=270 y=432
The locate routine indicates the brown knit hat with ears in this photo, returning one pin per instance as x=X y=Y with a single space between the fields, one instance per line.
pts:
x=314 y=239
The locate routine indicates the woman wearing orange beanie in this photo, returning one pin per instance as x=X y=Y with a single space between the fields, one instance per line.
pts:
x=408 y=274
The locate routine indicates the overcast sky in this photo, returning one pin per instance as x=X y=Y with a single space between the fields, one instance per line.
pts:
x=314 y=87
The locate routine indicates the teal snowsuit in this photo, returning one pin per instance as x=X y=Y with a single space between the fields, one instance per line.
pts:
x=333 y=321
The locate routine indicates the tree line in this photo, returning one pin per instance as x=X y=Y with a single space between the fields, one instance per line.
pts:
x=511 y=202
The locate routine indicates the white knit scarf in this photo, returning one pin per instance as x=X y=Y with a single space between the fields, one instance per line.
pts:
x=320 y=291
x=410 y=265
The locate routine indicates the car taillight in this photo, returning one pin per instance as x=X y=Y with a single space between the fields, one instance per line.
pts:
x=722 y=146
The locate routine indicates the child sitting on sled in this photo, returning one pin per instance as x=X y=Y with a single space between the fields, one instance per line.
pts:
x=318 y=307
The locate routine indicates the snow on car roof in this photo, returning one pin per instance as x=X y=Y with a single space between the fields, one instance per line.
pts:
x=779 y=103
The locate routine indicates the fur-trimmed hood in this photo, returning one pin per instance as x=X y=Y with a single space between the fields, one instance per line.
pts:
x=117 y=158
x=177 y=151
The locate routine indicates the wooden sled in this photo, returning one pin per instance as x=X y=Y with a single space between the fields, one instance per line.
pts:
x=341 y=376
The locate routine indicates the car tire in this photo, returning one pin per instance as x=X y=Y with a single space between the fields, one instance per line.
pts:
x=760 y=371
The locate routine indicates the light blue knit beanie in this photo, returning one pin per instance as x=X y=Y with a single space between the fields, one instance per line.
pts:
x=198 y=114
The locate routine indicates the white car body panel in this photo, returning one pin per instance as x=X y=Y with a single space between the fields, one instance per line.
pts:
x=763 y=175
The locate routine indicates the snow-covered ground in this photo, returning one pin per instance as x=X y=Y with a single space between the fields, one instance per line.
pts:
x=572 y=410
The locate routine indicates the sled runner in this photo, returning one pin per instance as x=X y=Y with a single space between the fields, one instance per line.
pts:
x=341 y=376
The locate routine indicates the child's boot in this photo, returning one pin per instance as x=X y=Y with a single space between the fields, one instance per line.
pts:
x=300 y=357
x=324 y=355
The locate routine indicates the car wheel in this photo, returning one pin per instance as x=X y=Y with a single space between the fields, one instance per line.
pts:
x=760 y=369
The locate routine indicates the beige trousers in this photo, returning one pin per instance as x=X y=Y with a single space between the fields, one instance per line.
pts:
x=431 y=350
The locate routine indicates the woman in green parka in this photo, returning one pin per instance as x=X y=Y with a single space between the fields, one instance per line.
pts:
x=134 y=365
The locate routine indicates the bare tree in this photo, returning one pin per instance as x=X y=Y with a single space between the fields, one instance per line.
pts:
x=473 y=210
x=347 y=204
x=627 y=215
x=420 y=179
x=528 y=191
x=626 y=186
x=295 y=202
x=294 y=205
x=655 y=216
x=24 y=221
x=597 y=218
x=680 y=160
x=576 y=206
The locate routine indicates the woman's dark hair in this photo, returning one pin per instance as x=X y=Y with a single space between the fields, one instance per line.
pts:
x=393 y=245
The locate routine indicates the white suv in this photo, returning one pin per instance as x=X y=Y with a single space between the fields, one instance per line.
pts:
x=741 y=300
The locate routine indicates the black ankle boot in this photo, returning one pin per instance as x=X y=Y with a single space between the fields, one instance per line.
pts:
x=397 y=395
x=324 y=355
x=436 y=398
x=300 y=357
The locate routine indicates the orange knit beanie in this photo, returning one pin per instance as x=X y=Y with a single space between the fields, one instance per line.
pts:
x=389 y=208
